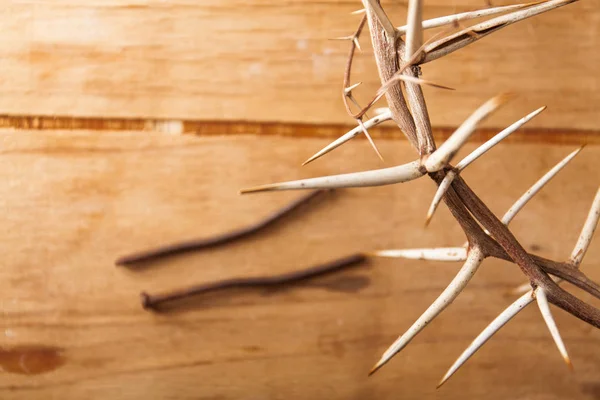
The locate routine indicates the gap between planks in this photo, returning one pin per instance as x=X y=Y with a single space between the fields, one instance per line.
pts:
x=217 y=128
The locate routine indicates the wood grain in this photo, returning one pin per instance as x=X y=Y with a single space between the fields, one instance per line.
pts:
x=265 y=60
x=74 y=201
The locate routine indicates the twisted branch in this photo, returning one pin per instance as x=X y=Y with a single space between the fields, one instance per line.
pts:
x=487 y=235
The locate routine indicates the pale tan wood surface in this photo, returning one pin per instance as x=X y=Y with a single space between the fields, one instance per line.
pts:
x=271 y=61
x=74 y=201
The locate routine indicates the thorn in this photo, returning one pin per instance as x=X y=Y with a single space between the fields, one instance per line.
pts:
x=376 y=367
x=385 y=116
x=464 y=163
x=356 y=43
x=587 y=232
x=414 y=31
x=407 y=78
x=474 y=258
x=442 y=156
x=470 y=35
x=439 y=194
x=350 y=37
x=488 y=332
x=542 y=301
x=379 y=177
x=351 y=88
x=362 y=126
x=430 y=254
x=533 y=190
x=451 y=19
x=358 y=12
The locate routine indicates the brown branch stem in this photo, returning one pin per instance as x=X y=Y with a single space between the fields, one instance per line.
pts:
x=348 y=71
x=502 y=235
x=221 y=239
x=386 y=56
x=154 y=301
x=418 y=108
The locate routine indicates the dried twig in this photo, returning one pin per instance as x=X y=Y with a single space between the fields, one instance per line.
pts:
x=354 y=44
x=228 y=237
x=154 y=301
x=374 y=7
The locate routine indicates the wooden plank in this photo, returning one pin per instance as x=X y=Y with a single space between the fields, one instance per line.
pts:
x=268 y=61
x=73 y=201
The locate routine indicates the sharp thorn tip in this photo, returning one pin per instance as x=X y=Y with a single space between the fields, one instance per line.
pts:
x=376 y=367
x=427 y=220
x=569 y=364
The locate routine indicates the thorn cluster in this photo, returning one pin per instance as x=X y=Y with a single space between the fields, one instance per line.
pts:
x=398 y=53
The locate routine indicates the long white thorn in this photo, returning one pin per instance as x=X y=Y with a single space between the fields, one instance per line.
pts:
x=364 y=129
x=443 y=187
x=478 y=152
x=377 y=177
x=488 y=332
x=587 y=232
x=451 y=19
x=474 y=259
x=440 y=158
x=384 y=116
x=414 y=31
x=437 y=198
x=467 y=36
x=533 y=190
x=431 y=254
x=542 y=302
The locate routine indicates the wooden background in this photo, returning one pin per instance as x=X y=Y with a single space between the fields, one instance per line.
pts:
x=96 y=98
x=73 y=202
x=264 y=60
